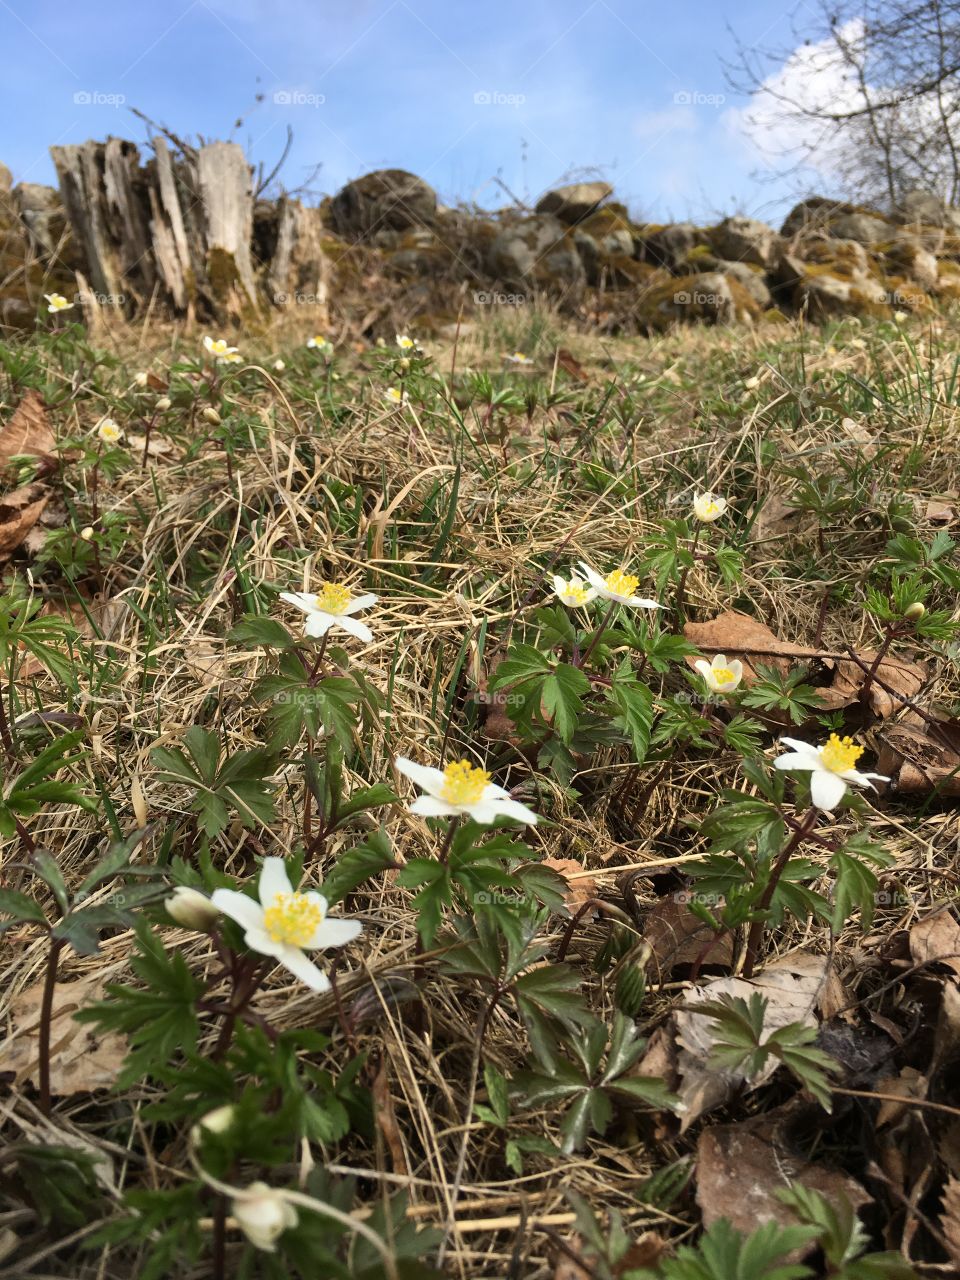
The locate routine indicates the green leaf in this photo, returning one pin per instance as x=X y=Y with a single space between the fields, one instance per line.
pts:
x=21 y=907
x=357 y=865
x=256 y=630
x=561 y=696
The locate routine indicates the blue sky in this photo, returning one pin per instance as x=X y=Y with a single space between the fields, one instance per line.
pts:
x=457 y=92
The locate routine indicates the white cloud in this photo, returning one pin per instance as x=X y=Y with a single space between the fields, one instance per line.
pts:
x=814 y=78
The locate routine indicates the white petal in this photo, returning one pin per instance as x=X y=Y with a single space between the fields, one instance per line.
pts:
x=593 y=577
x=639 y=602
x=335 y=933
x=273 y=880
x=488 y=810
x=432 y=807
x=705 y=669
x=862 y=779
x=797 y=760
x=736 y=666
x=826 y=789
x=238 y=907
x=559 y=584
x=361 y=602
x=354 y=628
x=302 y=599
x=318 y=624
x=797 y=745
x=303 y=968
x=260 y=940
x=427 y=779
x=316 y=900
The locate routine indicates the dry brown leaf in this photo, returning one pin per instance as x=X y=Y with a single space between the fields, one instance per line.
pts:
x=157 y=448
x=939 y=512
x=678 y=937
x=791 y=988
x=741 y=1167
x=205 y=660
x=920 y=758
x=386 y=1118
x=568 y=1267
x=950 y=1217
x=579 y=891
x=936 y=940
x=740 y=636
x=19 y=512
x=777 y=518
x=28 y=432
x=80 y=1060
x=903 y=678
x=910 y=1083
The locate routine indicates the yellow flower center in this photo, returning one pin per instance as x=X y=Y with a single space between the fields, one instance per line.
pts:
x=464 y=783
x=840 y=754
x=405 y=343
x=219 y=346
x=621 y=584
x=292 y=919
x=333 y=598
x=723 y=675
x=708 y=507
x=576 y=593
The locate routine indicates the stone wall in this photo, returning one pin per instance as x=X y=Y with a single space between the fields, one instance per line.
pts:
x=184 y=231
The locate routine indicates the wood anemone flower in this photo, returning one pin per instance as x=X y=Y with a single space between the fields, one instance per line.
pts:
x=618 y=587
x=831 y=768
x=332 y=606
x=462 y=790
x=284 y=923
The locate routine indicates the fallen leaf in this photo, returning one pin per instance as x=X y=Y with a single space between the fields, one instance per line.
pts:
x=791 y=988
x=205 y=660
x=571 y=365
x=386 y=1117
x=778 y=517
x=571 y=1265
x=903 y=679
x=938 y=512
x=19 y=512
x=741 y=636
x=936 y=940
x=579 y=891
x=910 y=1083
x=80 y=1060
x=157 y=448
x=741 y=1167
x=921 y=758
x=950 y=1217
x=28 y=432
x=677 y=937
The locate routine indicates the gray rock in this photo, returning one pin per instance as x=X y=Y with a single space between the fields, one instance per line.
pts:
x=388 y=199
x=923 y=207
x=575 y=202
x=813 y=213
x=746 y=240
x=537 y=247
x=908 y=256
x=865 y=228
x=752 y=281
x=669 y=246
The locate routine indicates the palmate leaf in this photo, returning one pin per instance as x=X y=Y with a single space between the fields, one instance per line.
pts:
x=723 y=1253
x=561 y=696
x=352 y=868
x=235 y=785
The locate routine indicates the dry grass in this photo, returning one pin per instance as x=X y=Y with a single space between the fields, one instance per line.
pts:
x=335 y=484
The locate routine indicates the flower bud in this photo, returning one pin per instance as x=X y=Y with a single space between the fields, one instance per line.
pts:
x=279 y=366
x=163 y=404
x=192 y=909
x=915 y=611
x=140 y=380
x=404 y=363
x=263 y=1215
x=87 y=533
x=211 y=416
x=218 y=1120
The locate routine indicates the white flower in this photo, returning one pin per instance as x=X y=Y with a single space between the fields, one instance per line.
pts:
x=140 y=380
x=283 y=923
x=263 y=1215
x=331 y=606
x=393 y=395
x=461 y=789
x=319 y=343
x=223 y=353
x=518 y=358
x=617 y=587
x=573 y=591
x=109 y=432
x=57 y=302
x=831 y=768
x=900 y=316
x=279 y=366
x=406 y=343
x=709 y=507
x=191 y=908
x=721 y=676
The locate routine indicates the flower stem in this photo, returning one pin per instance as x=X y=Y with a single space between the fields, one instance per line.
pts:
x=46 y=1017
x=892 y=629
x=755 y=935
x=682 y=584
x=598 y=633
